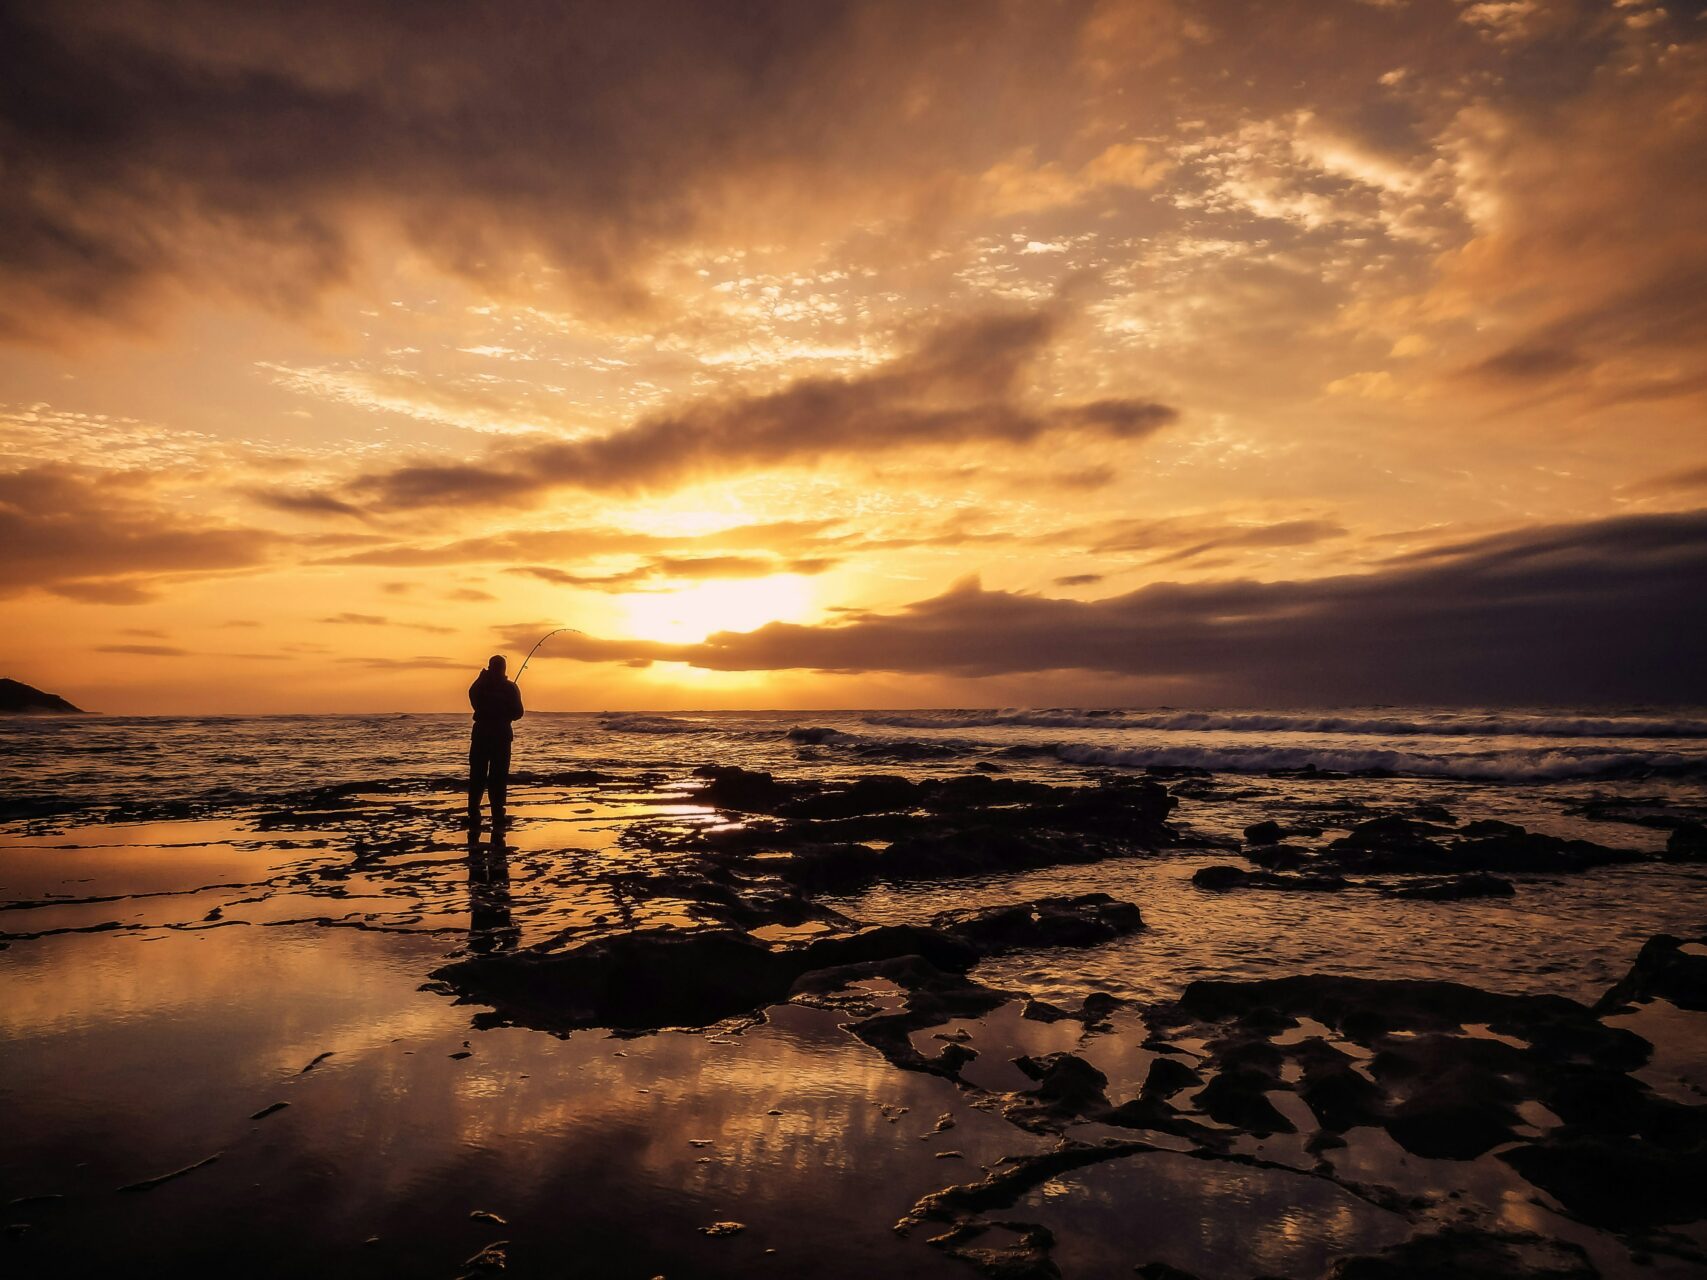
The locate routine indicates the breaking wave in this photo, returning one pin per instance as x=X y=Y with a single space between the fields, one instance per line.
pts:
x=655 y=724
x=1445 y=724
x=1505 y=766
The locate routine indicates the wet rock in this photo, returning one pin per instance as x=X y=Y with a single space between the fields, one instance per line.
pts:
x=1002 y=1250
x=1687 y=843
x=1263 y=832
x=720 y=1229
x=1281 y=857
x=1068 y=1088
x=1663 y=969
x=1084 y=920
x=1440 y=1091
x=931 y=998
x=1221 y=878
x=1238 y=1096
x=873 y=794
x=730 y=787
x=1162 y=1271
x=1167 y=1076
x=1613 y=1182
x=1474 y=884
x=1468 y=1254
x=1459 y=1095
x=1395 y=844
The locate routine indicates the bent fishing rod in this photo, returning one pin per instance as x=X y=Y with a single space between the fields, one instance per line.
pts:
x=540 y=641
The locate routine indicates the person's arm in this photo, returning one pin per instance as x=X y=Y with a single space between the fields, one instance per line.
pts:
x=471 y=702
x=516 y=701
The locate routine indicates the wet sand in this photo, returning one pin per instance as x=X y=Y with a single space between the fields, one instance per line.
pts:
x=715 y=1024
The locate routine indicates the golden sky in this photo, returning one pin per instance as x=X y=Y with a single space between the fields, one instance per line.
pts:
x=853 y=354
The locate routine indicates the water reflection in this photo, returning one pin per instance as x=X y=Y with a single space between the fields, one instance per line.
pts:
x=491 y=927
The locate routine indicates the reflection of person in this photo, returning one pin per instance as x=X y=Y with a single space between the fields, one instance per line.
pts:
x=497 y=703
x=490 y=927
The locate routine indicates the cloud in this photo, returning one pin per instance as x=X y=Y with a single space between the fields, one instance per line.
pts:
x=99 y=539
x=966 y=382
x=1608 y=610
x=145 y=650
x=1671 y=482
x=422 y=662
x=1179 y=538
x=261 y=151
x=668 y=569
x=305 y=504
x=376 y=620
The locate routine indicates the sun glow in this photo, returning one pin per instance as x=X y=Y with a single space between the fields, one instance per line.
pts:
x=693 y=613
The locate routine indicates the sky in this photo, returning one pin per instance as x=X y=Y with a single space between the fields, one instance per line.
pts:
x=1045 y=352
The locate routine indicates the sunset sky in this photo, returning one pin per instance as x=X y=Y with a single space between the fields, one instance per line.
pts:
x=853 y=354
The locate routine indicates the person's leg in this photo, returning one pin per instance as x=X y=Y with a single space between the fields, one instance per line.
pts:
x=476 y=777
x=498 y=784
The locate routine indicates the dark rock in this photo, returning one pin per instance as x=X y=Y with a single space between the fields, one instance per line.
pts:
x=1394 y=844
x=729 y=787
x=1464 y=1253
x=1167 y=1077
x=1474 y=884
x=18 y=698
x=1082 y=921
x=876 y=793
x=1281 y=857
x=1664 y=969
x=1162 y=1271
x=1222 y=878
x=1615 y=1182
x=1687 y=843
x=1068 y=1089
x=1263 y=832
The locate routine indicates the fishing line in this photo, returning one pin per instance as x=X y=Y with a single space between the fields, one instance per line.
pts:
x=540 y=641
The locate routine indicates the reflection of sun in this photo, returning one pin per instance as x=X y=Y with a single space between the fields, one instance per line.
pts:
x=691 y=614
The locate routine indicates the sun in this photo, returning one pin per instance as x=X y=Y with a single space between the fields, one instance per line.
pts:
x=691 y=614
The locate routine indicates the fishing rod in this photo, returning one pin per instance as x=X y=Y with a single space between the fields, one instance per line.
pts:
x=540 y=641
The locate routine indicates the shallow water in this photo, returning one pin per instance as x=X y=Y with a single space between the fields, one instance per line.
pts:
x=226 y=943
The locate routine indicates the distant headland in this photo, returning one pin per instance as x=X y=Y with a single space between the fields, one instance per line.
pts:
x=18 y=698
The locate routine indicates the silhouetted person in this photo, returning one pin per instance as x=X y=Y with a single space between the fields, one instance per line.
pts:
x=490 y=925
x=497 y=704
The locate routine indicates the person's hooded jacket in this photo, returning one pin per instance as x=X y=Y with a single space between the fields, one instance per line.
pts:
x=497 y=702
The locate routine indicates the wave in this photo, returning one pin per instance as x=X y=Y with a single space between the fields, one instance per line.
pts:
x=1504 y=766
x=1446 y=724
x=654 y=724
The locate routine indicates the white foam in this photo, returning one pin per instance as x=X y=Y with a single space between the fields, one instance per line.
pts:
x=1508 y=766
x=1444 y=724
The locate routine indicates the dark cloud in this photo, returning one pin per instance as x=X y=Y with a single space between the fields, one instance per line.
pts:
x=667 y=569
x=1178 y=538
x=571 y=544
x=304 y=504
x=1671 y=482
x=421 y=662
x=102 y=540
x=145 y=650
x=966 y=382
x=377 y=620
x=1078 y=580
x=1611 y=610
x=246 y=149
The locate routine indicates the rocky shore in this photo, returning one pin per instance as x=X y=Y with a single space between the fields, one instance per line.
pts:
x=1403 y=1126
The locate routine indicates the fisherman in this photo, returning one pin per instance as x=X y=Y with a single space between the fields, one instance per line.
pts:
x=497 y=703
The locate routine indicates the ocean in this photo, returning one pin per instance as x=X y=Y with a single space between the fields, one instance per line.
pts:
x=78 y=764
x=854 y=992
